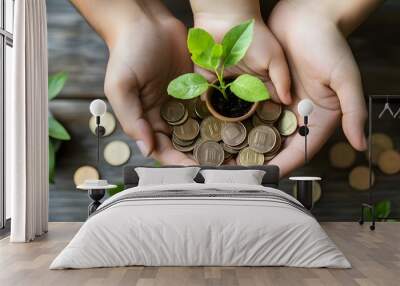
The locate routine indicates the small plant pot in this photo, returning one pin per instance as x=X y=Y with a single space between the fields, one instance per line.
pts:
x=232 y=110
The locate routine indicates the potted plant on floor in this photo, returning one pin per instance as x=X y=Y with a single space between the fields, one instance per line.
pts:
x=228 y=99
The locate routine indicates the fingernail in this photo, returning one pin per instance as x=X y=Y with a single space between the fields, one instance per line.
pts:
x=143 y=148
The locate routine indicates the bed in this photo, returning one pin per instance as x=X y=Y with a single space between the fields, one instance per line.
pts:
x=201 y=224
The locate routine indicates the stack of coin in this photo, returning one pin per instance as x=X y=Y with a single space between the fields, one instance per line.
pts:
x=184 y=136
x=212 y=142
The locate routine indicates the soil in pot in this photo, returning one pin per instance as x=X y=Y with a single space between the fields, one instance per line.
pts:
x=231 y=107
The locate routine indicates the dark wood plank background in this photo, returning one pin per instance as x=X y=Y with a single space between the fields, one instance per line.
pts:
x=75 y=48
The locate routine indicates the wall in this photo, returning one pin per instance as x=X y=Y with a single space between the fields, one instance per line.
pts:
x=74 y=47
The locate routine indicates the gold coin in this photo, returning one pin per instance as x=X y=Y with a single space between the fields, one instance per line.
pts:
x=271 y=154
x=227 y=155
x=249 y=157
x=172 y=111
x=241 y=146
x=180 y=142
x=269 y=157
x=382 y=140
x=117 y=153
x=269 y=111
x=359 y=178
x=262 y=139
x=201 y=109
x=287 y=125
x=210 y=153
x=210 y=129
x=180 y=148
x=187 y=131
x=196 y=147
x=389 y=162
x=85 y=173
x=342 y=155
x=182 y=121
x=229 y=149
x=380 y=143
x=233 y=133
x=191 y=107
x=256 y=121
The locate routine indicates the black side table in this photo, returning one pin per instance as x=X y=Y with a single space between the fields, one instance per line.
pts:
x=304 y=190
x=96 y=191
x=96 y=195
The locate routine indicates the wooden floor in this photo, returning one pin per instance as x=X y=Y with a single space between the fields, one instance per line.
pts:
x=375 y=257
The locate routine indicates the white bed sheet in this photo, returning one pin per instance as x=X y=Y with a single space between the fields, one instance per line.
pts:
x=199 y=232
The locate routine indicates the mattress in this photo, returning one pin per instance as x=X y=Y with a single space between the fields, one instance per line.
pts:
x=201 y=225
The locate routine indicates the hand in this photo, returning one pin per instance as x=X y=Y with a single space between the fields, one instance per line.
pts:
x=324 y=70
x=144 y=57
x=264 y=58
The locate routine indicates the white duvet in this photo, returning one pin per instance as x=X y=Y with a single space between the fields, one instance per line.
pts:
x=200 y=231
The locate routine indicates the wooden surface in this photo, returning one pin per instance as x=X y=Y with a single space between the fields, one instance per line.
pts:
x=375 y=258
x=74 y=47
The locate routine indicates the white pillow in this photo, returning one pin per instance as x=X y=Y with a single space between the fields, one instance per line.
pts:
x=166 y=176
x=247 y=177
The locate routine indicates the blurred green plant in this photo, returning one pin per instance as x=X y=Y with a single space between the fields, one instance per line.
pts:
x=116 y=190
x=382 y=211
x=57 y=132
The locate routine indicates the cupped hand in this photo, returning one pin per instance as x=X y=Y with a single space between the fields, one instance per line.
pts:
x=144 y=57
x=323 y=69
x=264 y=58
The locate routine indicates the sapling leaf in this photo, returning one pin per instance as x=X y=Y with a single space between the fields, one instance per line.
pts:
x=57 y=131
x=187 y=86
x=56 y=83
x=236 y=42
x=205 y=52
x=199 y=41
x=249 y=88
x=217 y=52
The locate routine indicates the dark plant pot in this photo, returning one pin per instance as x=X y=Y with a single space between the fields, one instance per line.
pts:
x=233 y=110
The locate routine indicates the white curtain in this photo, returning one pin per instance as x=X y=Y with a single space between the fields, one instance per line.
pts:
x=26 y=127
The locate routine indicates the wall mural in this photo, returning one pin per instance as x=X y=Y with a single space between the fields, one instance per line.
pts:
x=77 y=50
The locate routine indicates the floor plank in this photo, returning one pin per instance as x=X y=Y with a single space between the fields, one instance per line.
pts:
x=375 y=257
